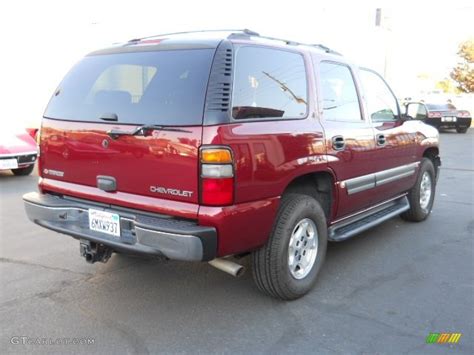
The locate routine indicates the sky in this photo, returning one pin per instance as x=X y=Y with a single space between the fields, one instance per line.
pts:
x=41 y=40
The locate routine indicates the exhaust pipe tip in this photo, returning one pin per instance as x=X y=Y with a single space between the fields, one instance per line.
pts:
x=230 y=267
x=241 y=271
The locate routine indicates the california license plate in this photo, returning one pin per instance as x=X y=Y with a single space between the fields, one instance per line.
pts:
x=104 y=222
x=8 y=164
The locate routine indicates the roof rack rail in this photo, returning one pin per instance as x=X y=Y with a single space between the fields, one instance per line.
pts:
x=325 y=48
x=286 y=41
x=245 y=33
x=290 y=42
x=233 y=31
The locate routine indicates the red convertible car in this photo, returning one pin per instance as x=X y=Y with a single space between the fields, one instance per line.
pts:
x=18 y=150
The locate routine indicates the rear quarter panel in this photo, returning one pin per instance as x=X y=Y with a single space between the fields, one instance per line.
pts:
x=268 y=156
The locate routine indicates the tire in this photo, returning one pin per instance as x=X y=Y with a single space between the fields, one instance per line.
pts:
x=24 y=171
x=271 y=264
x=420 y=210
x=461 y=130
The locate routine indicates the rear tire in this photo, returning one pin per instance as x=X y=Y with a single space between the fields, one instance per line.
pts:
x=461 y=130
x=24 y=171
x=288 y=265
x=421 y=196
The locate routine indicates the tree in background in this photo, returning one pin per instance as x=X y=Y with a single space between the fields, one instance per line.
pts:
x=448 y=86
x=463 y=73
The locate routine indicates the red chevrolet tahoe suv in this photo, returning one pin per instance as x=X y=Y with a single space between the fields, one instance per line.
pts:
x=210 y=146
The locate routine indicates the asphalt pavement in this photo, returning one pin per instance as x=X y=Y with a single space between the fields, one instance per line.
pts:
x=382 y=292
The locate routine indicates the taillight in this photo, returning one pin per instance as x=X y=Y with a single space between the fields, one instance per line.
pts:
x=464 y=114
x=217 y=176
x=434 y=114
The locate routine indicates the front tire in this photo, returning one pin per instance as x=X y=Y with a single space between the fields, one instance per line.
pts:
x=288 y=265
x=421 y=196
x=461 y=130
x=24 y=171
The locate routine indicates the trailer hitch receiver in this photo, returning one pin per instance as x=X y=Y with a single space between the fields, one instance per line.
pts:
x=94 y=252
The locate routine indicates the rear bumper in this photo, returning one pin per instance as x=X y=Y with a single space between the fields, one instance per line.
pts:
x=461 y=122
x=141 y=233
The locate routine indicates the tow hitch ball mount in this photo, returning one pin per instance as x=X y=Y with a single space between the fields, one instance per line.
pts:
x=94 y=252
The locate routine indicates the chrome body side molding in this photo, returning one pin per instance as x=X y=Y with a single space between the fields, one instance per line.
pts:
x=369 y=181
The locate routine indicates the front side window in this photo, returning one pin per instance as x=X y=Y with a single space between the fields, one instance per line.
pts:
x=339 y=95
x=269 y=83
x=381 y=104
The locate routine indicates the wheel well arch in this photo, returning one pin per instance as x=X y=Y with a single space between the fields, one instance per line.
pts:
x=319 y=185
x=432 y=153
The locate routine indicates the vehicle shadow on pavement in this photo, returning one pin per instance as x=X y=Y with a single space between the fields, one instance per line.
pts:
x=189 y=284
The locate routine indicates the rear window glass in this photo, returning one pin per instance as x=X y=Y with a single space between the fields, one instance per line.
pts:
x=269 y=83
x=442 y=107
x=162 y=87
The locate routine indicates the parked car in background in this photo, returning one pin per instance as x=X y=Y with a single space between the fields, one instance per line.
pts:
x=18 y=150
x=207 y=146
x=440 y=115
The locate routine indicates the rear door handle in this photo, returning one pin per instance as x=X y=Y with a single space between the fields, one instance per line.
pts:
x=381 y=139
x=338 y=143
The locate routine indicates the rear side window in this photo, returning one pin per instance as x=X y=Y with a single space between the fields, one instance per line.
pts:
x=162 y=87
x=269 y=83
x=339 y=93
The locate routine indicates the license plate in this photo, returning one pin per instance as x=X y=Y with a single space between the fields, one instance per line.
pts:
x=104 y=222
x=8 y=164
x=448 y=119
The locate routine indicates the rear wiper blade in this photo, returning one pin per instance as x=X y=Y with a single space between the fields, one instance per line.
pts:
x=152 y=127
x=141 y=131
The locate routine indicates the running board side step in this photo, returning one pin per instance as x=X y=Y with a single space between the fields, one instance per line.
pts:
x=351 y=226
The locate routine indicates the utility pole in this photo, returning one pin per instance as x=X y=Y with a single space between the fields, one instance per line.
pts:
x=382 y=21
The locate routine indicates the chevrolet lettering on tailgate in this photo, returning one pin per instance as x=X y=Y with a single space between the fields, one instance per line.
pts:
x=168 y=191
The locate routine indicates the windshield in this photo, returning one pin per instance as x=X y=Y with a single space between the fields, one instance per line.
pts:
x=160 y=87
